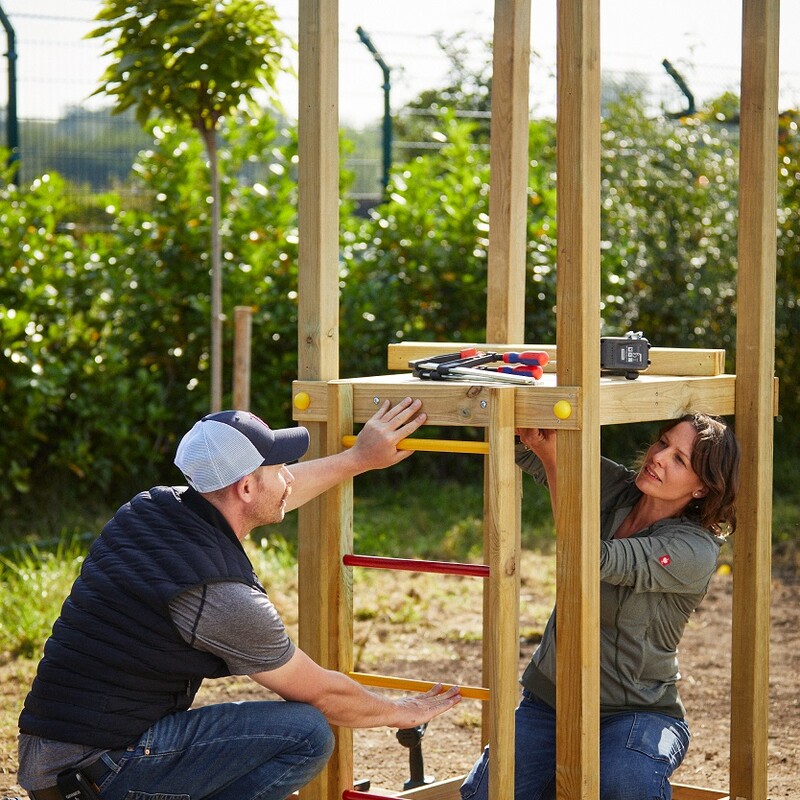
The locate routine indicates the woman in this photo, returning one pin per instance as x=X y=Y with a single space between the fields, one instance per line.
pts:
x=661 y=529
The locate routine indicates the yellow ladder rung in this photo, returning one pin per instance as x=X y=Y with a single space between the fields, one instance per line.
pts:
x=409 y=685
x=434 y=445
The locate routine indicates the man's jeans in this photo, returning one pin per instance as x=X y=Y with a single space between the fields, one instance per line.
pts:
x=230 y=751
x=638 y=753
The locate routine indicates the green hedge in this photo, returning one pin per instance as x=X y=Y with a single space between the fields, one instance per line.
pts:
x=104 y=310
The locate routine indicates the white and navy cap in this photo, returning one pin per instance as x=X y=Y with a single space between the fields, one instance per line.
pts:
x=223 y=447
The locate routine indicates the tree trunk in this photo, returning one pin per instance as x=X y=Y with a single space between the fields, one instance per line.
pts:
x=216 y=272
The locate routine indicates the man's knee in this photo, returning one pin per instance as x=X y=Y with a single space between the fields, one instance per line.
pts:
x=315 y=731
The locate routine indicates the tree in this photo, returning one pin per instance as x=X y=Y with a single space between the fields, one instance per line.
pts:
x=194 y=61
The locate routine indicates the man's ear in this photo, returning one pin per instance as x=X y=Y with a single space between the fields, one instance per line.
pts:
x=244 y=488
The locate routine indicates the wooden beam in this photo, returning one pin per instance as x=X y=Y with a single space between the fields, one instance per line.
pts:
x=578 y=338
x=663 y=360
x=508 y=164
x=318 y=307
x=334 y=541
x=449 y=790
x=660 y=397
x=318 y=190
x=441 y=790
x=682 y=791
x=501 y=601
x=755 y=362
x=463 y=404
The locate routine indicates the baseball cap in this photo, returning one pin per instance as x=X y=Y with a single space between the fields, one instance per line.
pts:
x=225 y=446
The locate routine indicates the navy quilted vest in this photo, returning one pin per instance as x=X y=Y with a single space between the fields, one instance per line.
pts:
x=114 y=663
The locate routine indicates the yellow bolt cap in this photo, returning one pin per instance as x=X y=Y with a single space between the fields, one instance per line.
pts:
x=562 y=409
x=302 y=401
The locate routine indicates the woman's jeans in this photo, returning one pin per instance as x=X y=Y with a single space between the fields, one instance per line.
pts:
x=231 y=751
x=638 y=753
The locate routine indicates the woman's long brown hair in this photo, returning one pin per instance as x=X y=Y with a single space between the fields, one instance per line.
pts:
x=715 y=459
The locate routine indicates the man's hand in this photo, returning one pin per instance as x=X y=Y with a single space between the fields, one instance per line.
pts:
x=375 y=447
x=347 y=703
x=413 y=711
x=376 y=444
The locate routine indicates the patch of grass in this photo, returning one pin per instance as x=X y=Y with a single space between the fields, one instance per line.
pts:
x=444 y=520
x=35 y=583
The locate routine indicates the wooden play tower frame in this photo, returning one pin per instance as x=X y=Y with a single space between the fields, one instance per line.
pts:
x=676 y=381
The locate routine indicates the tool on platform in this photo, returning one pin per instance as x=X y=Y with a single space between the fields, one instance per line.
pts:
x=624 y=355
x=473 y=364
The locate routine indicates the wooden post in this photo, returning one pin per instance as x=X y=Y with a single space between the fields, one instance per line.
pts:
x=508 y=193
x=318 y=308
x=755 y=360
x=337 y=604
x=578 y=340
x=318 y=191
x=501 y=626
x=242 y=337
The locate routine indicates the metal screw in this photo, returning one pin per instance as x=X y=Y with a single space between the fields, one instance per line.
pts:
x=484 y=403
x=376 y=401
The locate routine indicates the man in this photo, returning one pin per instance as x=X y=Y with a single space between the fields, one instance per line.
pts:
x=167 y=597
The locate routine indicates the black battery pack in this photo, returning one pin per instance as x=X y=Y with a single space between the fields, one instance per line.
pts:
x=624 y=355
x=74 y=785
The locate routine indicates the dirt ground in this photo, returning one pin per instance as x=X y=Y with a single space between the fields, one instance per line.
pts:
x=444 y=645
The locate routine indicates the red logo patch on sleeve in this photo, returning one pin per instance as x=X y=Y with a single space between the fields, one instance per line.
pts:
x=665 y=561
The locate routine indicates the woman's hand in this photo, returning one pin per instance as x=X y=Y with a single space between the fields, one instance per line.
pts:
x=542 y=442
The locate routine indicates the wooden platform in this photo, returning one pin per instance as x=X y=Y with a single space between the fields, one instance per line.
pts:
x=649 y=397
x=448 y=790
x=677 y=380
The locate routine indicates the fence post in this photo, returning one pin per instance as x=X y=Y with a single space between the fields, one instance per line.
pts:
x=243 y=325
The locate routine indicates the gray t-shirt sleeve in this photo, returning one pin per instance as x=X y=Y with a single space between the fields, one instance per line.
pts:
x=235 y=622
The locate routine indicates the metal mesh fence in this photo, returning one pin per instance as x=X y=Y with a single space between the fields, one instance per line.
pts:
x=62 y=127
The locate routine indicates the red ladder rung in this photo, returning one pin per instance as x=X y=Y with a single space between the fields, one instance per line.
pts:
x=416 y=565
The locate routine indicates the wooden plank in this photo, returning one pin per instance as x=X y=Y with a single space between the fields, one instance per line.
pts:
x=312 y=586
x=441 y=790
x=501 y=522
x=663 y=360
x=654 y=398
x=755 y=348
x=648 y=398
x=318 y=307
x=318 y=190
x=452 y=404
x=682 y=791
x=336 y=541
x=685 y=361
x=578 y=338
x=508 y=164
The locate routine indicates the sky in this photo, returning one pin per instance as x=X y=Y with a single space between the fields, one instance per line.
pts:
x=701 y=38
